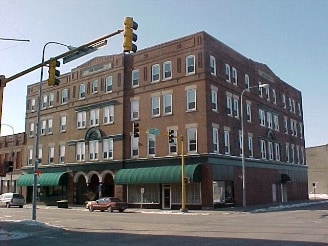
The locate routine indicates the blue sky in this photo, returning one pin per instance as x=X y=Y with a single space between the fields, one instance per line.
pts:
x=290 y=36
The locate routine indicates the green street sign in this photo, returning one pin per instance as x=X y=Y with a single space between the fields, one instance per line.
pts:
x=154 y=131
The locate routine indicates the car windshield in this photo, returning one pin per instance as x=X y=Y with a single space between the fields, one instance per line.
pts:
x=18 y=196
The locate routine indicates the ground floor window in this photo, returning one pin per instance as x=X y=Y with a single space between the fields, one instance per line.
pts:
x=192 y=192
x=151 y=193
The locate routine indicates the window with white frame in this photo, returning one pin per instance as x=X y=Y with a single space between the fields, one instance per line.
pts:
x=61 y=153
x=285 y=124
x=43 y=127
x=227 y=73
x=109 y=84
x=190 y=64
x=94 y=86
x=108 y=114
x=249 y=111
x=299 y=109
x=134 y=109
x=250 y=145
x=93 y=149
x=151 y=145
x=81 y=119
x=213 y=65
x=192 y=139
x=191 y=99
x=276 y=122
x=270 y=150
x=277 y=150
x=236 y=107
x=301 y=130
x=31 y=132
x=302 y=156
x=267 y=92
x=269 y=119
x=263 y=149
x=297 y=154
x=80 y=151
x=226 y=135
x=108 y=149
x=290 y=104
x=240 y=143
x=30 y=156
x=82 y=91
x=167 y=104
x=294 y=106
x=287 y=152
x=155 y=73
x=64 y=96
x=135 y=78
x=155 y=104
x=234 y=76
x=40 y=155
x=62 y=123
x=94 y=117
x=214 y=100
x=292 y=153
x=274 y=96
x=51 y=154
x=284 y=101
x=292 y=127
x=134 y=147
x=247 y=81
x=173 y=147
x=167 y=70
x=32 y=104
x=51 y=99
x=49 y=130
x=44 y=102
x=262 y=117
x=295 y=128
x=215 y=136
x=229 y=105
x=260 y=90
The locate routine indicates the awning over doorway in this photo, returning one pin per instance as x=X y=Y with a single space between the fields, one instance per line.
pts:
x=157 y=175
x=284 y=178
x=44 y=179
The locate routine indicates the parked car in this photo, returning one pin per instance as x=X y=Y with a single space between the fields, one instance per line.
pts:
x=12 y=199
x=107 y=203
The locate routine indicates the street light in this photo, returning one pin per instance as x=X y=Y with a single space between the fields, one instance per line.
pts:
x=11 y=153
x=242 y=138
x=38 y=131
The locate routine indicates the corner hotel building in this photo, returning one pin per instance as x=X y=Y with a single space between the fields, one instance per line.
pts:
x=191 y=85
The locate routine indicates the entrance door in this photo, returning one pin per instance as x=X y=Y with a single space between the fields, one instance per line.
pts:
x=166 y=197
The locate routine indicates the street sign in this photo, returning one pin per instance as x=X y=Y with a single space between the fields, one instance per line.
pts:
x=154 y=131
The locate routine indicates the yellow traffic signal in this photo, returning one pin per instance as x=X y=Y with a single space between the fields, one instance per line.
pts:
x=129 y=36
x=53 y=73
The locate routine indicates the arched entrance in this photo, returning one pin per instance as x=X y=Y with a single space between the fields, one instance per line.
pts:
x=108 y=185
x=93 y=188
x=81 y=190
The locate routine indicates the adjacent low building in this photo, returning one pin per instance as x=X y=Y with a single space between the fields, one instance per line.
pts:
x=104 y=130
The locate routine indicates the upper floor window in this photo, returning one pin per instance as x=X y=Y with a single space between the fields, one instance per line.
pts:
x=215 y=137
x=227 y=73
x=299 y=109
x=250 y=145
x=267 y=92
x=263 y=149
x=229 y=105
x=167 y=70
x=109 y=84
x=64 y=96
x=151 y=144
x=247 y=81
x=32 y=104
x=190 y=64
x=214 y=100
x=192 y=139
x=191 y=99
x=173 y=145
x=80 y=151
x=155 y=103
x=31 y=132
x=94 y=117
x=234 y=76
x=270 y=150
x=277 y=150
x=108 y=148
x=262 y=117
x=63 y=123
x=134 y=146
x=82 y=91
x=274 y=96
x=51 y=99
x=213 y=65
x=287 y=152
x=81 y=119
x=135 y=78
x=51 y=154
x=276 y=122
x=43 y=127
x=269 y=119
x=284 y=101
x=61 y=153
x=49 y=130
x=167 y=104
x=285 y=124
x=134 y=109
x=93 y=149
x=249 y=111
x=95 y=86
x=236 y=107
x=108 y=114
x=155 y=73
x=45 y=101
x=226 y=135
x=260 y=90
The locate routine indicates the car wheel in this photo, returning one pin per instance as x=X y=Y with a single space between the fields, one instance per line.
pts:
x=21 y=206
x=90 y=209
x=7 y=205
x=110 y=209
x=121 y=210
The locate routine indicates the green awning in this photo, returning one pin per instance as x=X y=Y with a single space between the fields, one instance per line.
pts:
x=44 y=179
x=157 y=175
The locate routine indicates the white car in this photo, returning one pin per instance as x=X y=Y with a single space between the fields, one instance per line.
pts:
x=12 y=199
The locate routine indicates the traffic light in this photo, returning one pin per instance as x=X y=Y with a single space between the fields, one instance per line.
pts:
x=9 y=166
x=171 y=136
x=129 y=36
x=53 y=73
x=135 y=129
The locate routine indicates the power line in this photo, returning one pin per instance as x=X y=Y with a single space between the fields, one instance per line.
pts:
x=15 y=39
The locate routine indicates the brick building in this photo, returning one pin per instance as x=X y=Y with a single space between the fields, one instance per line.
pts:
x=191 y=85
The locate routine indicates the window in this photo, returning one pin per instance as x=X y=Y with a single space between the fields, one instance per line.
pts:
x=277 y=150
x=82 y=91
x=151 y=145
x=236 y=107
x=64 y=96
x=276 y=122
x=226 y=142
x=108 y=149
x=240 y=143
x=250 y=146
x=234 y=76
x=43 y=127
x=94 y=117
x=301 y=130
x=134 y=109
x=32 y=104
x=299 y=109
x=249 y=111
x=155 y=73
x=302 y=156
x=229 y=105
x=192 y=139
x=167 y=70
x=51 y=154
x=80 y=151
x=173 y=148
x=108 y=114
x=93 y=150
x=269 y=119
x=262 y=117
x=270 y=149
x=215 y=140
x=61 y=153
x=214 y=100
x=290 y=104
x=294 y=107
x=247 y=81
x=49 y=130
x=284 y=101
x=134 y=147
x=213 y=65
x=51 y=99
x=44 y=102
x=267 y=92
x=191 y=99
x=31 y=132
x=286 y=124
x=81 y=119
x=167 y=104
x=135 y=78
x=274 y=96
x=109 y=84
x=30 y=156
x=155 y=110
x=287 y=152
x=95 y=86
x=62 y=123
x=227 y=73
x=263 y=149
x=40 y=155
x=190 y=64
x=292 y=153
